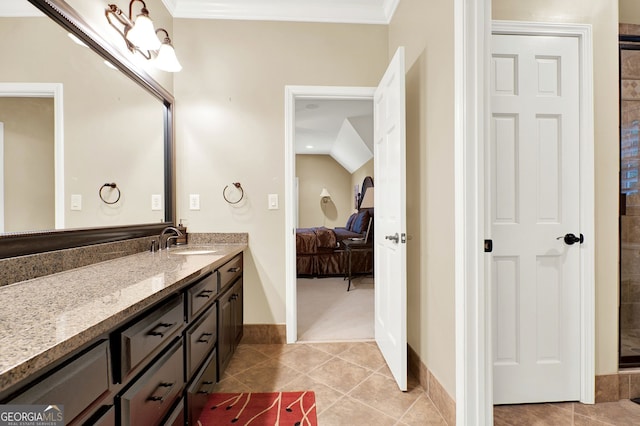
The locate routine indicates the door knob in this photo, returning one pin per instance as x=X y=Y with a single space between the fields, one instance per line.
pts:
x=395 y=238
x=570 y=239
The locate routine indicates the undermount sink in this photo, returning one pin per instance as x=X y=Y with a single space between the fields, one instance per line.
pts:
x=192 y=251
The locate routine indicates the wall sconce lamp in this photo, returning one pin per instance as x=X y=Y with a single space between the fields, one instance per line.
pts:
x=140 y=36
x=325 y=196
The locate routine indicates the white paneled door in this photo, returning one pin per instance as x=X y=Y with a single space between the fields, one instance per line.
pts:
x=390 y=311
x=533 y=164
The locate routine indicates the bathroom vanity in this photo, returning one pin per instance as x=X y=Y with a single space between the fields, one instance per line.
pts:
x=139 y=340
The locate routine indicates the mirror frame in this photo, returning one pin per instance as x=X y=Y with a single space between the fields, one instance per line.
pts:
x=20 y=244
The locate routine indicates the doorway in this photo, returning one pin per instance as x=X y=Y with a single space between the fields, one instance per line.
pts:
x=53 y=91
x=309 y=99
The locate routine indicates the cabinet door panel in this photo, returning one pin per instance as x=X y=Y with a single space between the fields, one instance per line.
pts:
x=225 y=331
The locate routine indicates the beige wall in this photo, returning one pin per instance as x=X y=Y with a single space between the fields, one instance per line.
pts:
x=315 y=172
x=425 y=28
x=603 y=16
x=629 y=11
x=358 y=176
x=28 y=163
x=230 y=126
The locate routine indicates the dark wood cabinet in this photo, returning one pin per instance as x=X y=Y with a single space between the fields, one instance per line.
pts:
x=230 y=318
x=230 y=311
x=237 y=312
x=78 y=385
x=157 y=368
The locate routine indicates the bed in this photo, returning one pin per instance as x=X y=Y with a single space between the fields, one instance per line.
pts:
x=318 y=249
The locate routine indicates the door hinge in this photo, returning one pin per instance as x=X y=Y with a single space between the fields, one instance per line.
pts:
x=488 y=246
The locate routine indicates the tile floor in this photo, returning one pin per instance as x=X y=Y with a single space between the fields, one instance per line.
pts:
x=352 y=383
x=353 y=386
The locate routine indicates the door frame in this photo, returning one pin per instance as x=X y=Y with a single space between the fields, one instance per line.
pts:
x=291 y=94
x=474 y=357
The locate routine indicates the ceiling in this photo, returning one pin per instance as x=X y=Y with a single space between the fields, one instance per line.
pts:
x=342 y=129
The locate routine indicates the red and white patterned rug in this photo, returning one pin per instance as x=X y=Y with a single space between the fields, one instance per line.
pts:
x=260 y=409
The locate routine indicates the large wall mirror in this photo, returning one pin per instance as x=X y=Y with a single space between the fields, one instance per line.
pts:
x=76 y=114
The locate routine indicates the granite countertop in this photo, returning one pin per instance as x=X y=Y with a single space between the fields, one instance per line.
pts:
x=45 y=319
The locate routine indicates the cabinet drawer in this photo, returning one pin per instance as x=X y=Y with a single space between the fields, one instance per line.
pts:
x=108 y=418
x=176 y=418
x=230 y=271
x=141 y=339
x=150 y=398
x=200 y=339
x=199 y=391
x=201 y=295
x=76 y=386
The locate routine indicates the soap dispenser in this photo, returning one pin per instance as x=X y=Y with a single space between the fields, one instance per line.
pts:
x=183 y=229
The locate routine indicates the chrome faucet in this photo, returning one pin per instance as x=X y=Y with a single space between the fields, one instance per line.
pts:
x=165 y=231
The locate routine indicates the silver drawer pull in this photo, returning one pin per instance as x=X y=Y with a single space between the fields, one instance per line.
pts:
x=161 y=399
x=203 y=338
x=155 y=332
x=205 y=391
x=205 y=293
x=236 y=269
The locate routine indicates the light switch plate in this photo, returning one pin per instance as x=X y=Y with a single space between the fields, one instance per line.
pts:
x=273 y=201
x=156 y=202
x=194 y=201
x=76 y=202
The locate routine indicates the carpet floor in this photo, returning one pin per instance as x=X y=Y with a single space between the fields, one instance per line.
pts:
x=327 y=312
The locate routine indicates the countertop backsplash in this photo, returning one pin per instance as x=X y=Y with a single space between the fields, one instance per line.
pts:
x=22 y=268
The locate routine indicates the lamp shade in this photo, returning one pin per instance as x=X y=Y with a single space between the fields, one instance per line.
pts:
x=166 y=59
x=325 y=193
x=367 y=201
x=325 y=196
x=142 y=34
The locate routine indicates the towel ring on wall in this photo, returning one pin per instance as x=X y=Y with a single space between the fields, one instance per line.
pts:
x=238 y=186
x=112 y=186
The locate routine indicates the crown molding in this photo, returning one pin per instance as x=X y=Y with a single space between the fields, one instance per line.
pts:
x=338 y=11
x=18 y=9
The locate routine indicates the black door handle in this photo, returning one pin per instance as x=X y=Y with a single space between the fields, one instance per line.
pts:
x=570 y=239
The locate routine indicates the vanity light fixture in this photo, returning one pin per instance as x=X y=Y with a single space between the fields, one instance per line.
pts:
x=140 y=36
x=166 y=59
